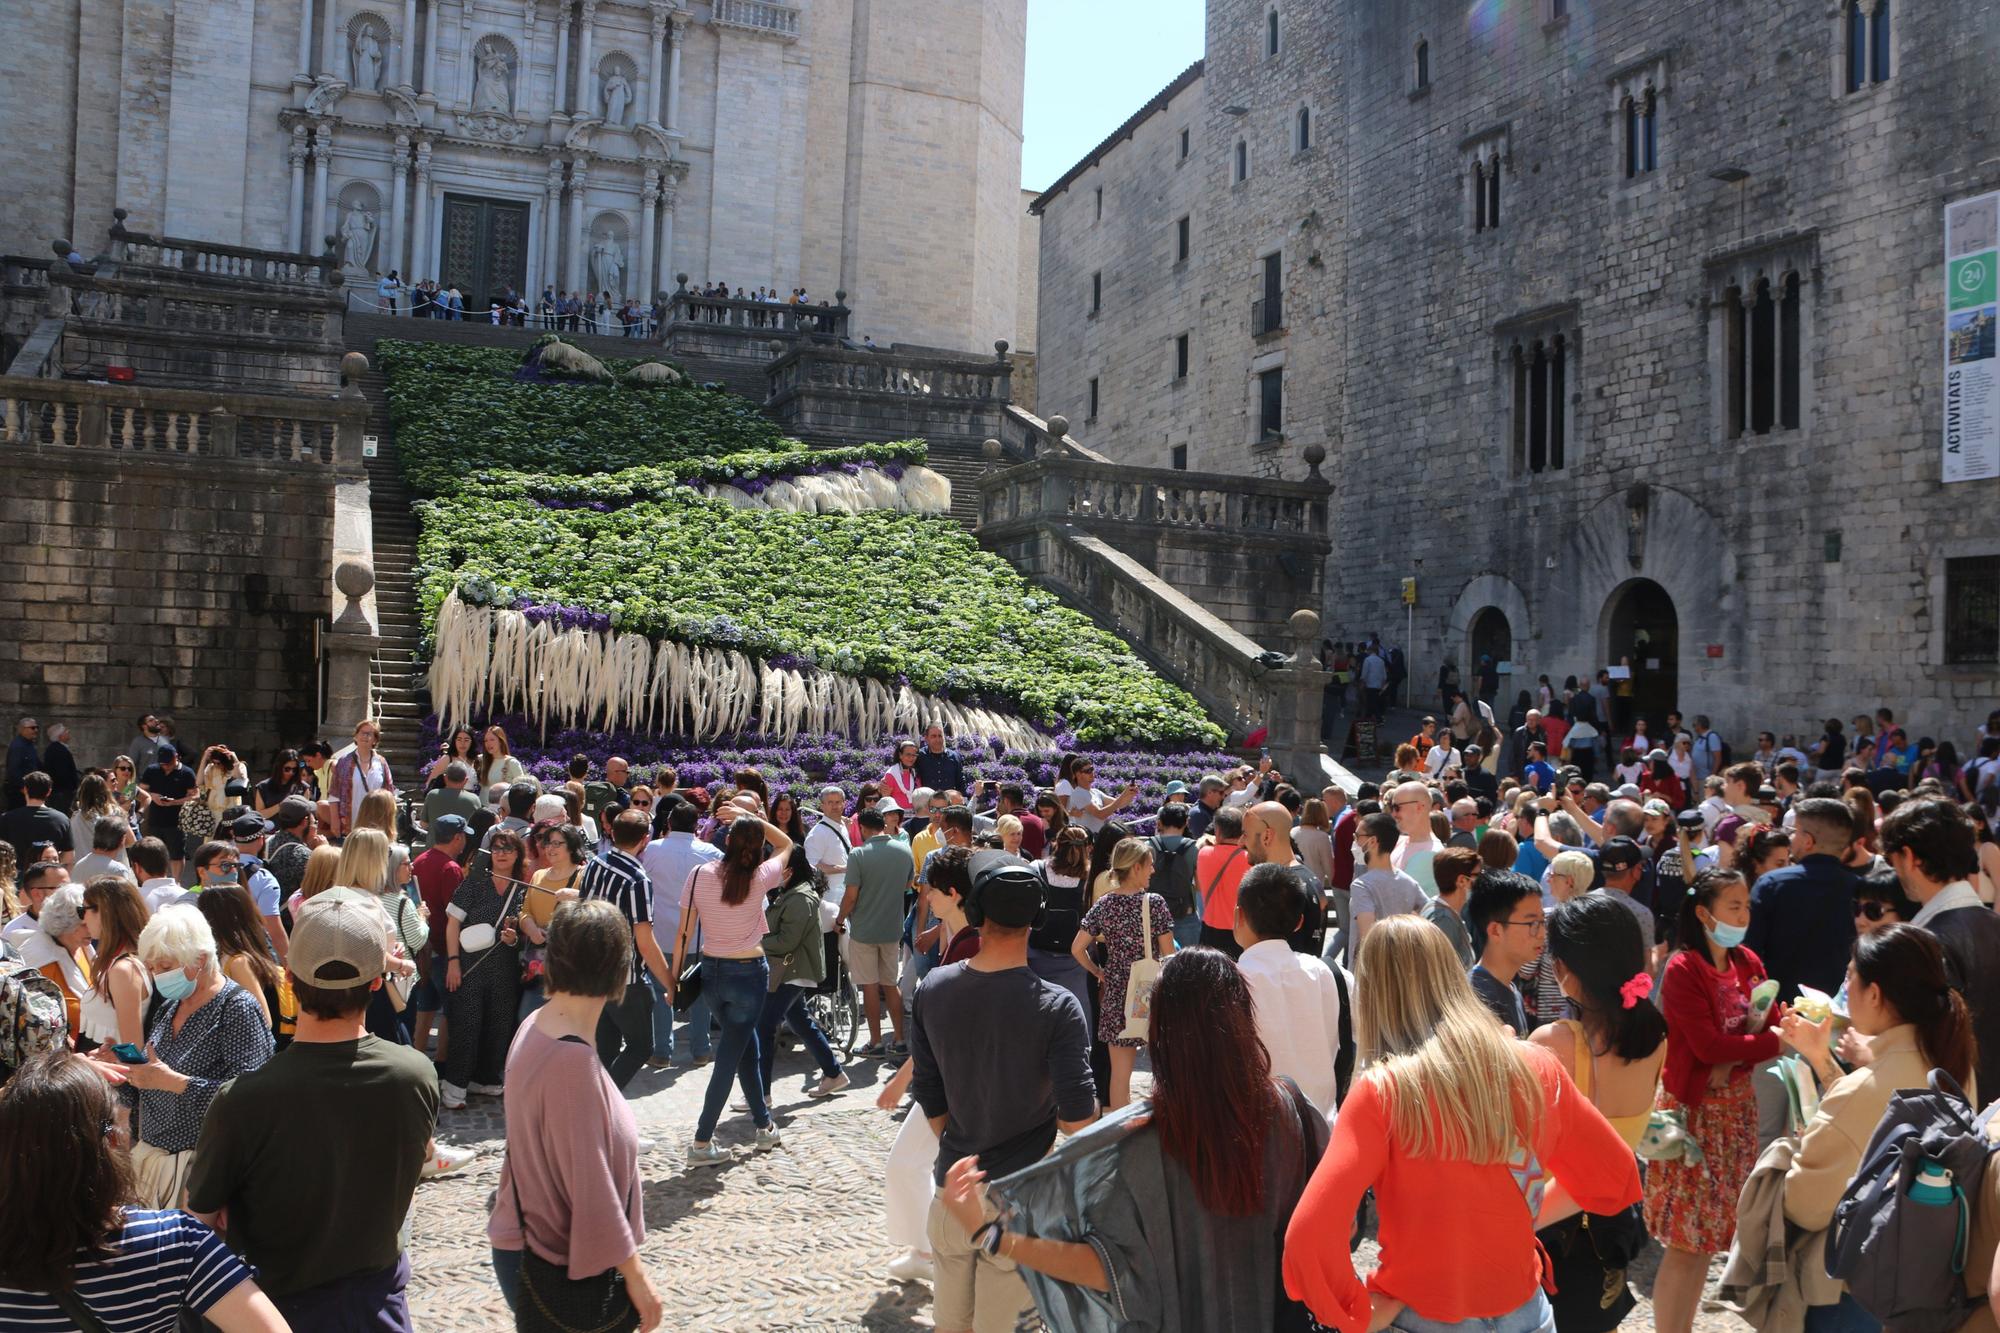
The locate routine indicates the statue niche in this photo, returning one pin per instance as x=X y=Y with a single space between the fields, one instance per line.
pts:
x=367 y=43
x=493 y=78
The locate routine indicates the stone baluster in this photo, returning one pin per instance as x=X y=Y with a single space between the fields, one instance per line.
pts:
x=552 y=186
x=575 y=278
x=562 y=55
x=331 y=48
x=406 y=72
x=583 y=97
x=649 y=85
x=399 y=171
x=430 y=47
x=669 y=191
x=420 y=207
x=295 y=157
x=322 y=171
x=649 y=198
x=679 y=25
x=305 y=63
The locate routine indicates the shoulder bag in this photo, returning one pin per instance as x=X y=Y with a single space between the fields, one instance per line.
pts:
x=687 y=984
x=399 y=987
x=481 y=938
x=1589 y=1253
x=197 y=819
x=1139 y=981
x=554 y=1302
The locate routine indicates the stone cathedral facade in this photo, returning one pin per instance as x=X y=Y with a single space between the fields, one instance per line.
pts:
x=1624 y=328
x=602 y=145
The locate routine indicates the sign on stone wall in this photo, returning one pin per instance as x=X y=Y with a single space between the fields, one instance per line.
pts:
x=1971 y=373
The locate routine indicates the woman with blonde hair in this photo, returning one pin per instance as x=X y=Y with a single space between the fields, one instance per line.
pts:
x=1450 y=1108
x=11 y=905
x=378 y=811
x=496 y=766
x=93 y=802
x=1132 y=924
x=1011 y=830
x=321 y=872
x=114 y=1009
x=364 y=865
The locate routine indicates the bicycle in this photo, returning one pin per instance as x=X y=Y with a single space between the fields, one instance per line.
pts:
x=834 y=1004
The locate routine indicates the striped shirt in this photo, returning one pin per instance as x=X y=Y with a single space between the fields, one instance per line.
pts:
x=162 y=1261
x=622 y=882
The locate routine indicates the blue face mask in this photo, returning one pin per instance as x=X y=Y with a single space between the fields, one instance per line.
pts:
x=1727 y=936
x=223 y=877
x=1171 y=842
x=174 y=986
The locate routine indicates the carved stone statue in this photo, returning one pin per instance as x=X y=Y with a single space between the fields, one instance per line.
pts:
x=490 y=88
x=367 y=59
x=617 y=96
x=607 y=265
x=357 y=238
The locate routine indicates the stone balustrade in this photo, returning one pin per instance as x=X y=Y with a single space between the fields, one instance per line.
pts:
x=1067 y=488
x=68 y=415
x=217 y=262
x=757 y=319
x=20 y=274
x=823 y=390
x=760 y=16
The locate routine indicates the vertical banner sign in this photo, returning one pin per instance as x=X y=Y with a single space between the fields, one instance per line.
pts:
x=1971 y=374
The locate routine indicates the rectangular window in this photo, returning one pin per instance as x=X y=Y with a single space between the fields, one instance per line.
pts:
x=1267 y=312
x=1181 y=357
x=1092 y=414
x=1187 y=143
x=1423 y=73
x=1642 y=135
x=1183 y=236
x=1271 y=403
x=1763 y=358
x=1540 y=434
x=1180 y=458
x=1972 y=611
x=1242 y=161
x=1100 y=203
x=1096 y=292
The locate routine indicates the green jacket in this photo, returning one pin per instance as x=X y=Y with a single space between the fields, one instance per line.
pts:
x=793 y=940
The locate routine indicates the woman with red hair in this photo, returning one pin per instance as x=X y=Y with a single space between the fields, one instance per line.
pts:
x=1187 y=1228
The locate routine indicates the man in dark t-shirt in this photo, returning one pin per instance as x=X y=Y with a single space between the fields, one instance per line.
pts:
x=1002 y=1062
x=1504 y=919
x=170 y=783
x=35 y=822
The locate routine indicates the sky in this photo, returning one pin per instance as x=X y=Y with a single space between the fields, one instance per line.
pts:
x=1091 y=64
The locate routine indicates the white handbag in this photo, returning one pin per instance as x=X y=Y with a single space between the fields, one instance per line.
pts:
x=1140 y=980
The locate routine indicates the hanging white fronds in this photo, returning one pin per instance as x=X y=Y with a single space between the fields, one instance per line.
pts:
x=881 y=491
x=923 y=491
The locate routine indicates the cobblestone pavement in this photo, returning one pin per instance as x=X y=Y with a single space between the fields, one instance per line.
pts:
x=784 y=1242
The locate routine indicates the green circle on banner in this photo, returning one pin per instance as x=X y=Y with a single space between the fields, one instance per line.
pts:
x=1971 y=281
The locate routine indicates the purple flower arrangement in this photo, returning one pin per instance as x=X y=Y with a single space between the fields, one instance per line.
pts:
x=565 y=617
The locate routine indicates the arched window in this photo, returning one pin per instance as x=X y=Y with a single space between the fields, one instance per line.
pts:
x=1763 y=347
x=1302 y=138
x=1486 y=195
x=1271 y=32
x=1423 y=72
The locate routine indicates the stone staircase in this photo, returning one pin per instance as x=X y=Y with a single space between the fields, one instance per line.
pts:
x=400 y=694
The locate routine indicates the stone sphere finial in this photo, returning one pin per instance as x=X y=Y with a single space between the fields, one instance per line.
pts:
x=1059 y=426
x=1304 y=623
x=61 y=247
x=840 y=296
x=1000 y=347
x=352 y=367
x=681 y=278
x=120 y=214
x=992 y=448
x=1314 y=454
x=777 y=346
x=354 y=578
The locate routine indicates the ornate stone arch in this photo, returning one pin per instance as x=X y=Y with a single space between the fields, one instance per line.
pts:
x=384 y=35
x=618 y=62
x=1489 y=592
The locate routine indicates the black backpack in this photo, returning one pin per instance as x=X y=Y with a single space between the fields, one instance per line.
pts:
x=1173 y=875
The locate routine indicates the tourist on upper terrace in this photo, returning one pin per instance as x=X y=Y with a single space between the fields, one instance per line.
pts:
x=939 y=768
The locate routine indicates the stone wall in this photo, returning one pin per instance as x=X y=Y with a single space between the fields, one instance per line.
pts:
x=1410 y=365
x=188 y=587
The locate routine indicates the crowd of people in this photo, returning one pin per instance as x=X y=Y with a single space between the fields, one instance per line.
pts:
x=1589 y=1015
x=596 y=312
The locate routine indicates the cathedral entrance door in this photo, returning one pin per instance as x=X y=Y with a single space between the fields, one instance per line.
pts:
x=485 y=249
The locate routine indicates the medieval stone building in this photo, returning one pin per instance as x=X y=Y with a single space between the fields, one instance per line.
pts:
x=1624 y=327
x=601 y=145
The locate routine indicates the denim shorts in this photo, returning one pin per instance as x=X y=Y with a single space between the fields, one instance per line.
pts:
x=425 y=997
x=1533 y=1317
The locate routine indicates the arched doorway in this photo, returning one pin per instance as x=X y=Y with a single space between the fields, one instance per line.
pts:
x=1642 y=626
x=1490 y=639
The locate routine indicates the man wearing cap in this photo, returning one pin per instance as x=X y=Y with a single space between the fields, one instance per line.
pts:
x=248 y=832
x=1620 y=864
x=288 y=850
x=1000 y=1063
x=437 y=870
x=169 y=784
x=451 y=799
x=308 y=1164
x=879 y=872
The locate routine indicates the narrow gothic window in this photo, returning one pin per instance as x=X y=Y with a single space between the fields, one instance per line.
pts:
x=1181 y=357
x=1857 y=46
x=1642 y=143
x=1764 y=354
x=1242 y=161
x=1271 y=33
x=1493 y=193
x=1100 y=203
x=1486 y=195
x=1541 y=395
x=1305 y=134
x=1479 y=196
x=1558 y=9
x=1271 y=403
x=1878 y=44
x=1267 y=312
x=1423 y=64
x=1187 y=142
x=1182 y=241
x=1092 y=414
x=1096 y=292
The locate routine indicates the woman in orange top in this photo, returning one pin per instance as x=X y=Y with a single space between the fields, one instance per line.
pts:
x=1453 y=1109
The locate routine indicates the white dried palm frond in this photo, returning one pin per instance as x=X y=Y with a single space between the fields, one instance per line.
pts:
x=924 y=491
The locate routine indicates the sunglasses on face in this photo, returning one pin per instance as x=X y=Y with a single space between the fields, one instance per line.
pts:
x=1872 y=911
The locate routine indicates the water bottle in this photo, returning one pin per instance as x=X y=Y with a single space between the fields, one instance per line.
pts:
x=1933 y=1185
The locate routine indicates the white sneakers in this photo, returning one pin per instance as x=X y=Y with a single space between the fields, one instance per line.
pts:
x=828 y=1087
x=451 y=1097
x=707 y=1154
x=768 y=1139
x=446 y=1159
x=910 y=1266
x=485 y=1089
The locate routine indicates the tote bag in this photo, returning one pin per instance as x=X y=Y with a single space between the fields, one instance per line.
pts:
x=1140 y=980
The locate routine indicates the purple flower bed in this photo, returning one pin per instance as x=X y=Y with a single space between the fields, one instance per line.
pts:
x=810 y=762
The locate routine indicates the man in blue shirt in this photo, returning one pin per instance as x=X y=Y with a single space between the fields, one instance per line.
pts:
x=1538 y=773
x=1802 y=915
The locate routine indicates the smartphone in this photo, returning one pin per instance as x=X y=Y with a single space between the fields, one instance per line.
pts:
x=130 y=1054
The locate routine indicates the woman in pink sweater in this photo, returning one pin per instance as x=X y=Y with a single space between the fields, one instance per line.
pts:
x=568 y=1210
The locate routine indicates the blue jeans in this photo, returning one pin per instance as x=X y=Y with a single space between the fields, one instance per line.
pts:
x=1533 y=1317
x=698 y=1021
x=531 y=1000
x=787 y=1005
x=507 y=1272
x=1187 y=930
x=1846 y=1317
x=735 y=990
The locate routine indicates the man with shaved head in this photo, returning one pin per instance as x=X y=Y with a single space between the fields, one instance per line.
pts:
x=1267 y=840
x=1409 y=804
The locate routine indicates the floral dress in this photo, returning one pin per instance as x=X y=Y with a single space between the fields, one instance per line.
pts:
x=1117 y=919
x=1694 y=1207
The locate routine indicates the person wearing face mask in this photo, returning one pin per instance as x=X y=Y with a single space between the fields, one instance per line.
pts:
x=206 y=1031
x=1715 y=1037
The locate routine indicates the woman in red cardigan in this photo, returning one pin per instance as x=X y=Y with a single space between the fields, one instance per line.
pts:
x=1456 y=1127
x=1713 y=1042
